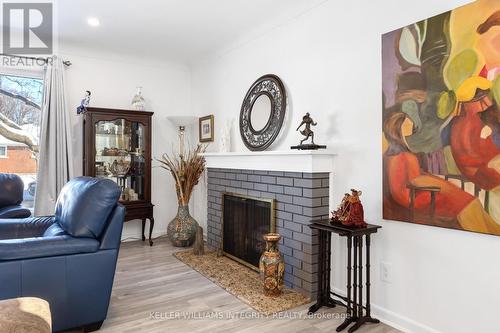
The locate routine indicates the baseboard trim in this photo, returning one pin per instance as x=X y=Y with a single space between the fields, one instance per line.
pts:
x=394 y=319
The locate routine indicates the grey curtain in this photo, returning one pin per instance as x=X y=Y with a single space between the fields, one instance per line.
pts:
x=55 y=167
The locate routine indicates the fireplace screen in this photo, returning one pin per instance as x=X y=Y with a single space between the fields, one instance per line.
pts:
x=245 y=221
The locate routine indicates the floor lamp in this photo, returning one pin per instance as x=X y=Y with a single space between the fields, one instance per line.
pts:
x=181 y=122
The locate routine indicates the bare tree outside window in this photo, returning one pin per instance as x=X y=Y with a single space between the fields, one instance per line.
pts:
x=20 y=110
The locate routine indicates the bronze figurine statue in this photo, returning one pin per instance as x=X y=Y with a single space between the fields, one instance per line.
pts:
x=308 y=133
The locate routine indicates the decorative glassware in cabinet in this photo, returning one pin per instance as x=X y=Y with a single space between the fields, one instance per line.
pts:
x=120 y=152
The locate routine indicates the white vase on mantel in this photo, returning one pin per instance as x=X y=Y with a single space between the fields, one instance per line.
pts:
x=225 y=137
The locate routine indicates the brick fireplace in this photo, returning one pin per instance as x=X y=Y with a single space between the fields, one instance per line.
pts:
x=299 y=184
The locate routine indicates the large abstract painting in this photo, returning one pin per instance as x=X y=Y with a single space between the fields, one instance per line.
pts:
x=441 y=120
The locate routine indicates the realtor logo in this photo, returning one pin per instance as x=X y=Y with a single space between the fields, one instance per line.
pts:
x=27 y=28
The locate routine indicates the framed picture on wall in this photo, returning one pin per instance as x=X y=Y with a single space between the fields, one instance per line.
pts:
x=206 y=128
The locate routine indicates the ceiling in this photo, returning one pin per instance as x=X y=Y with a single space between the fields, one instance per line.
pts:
x=178 y=30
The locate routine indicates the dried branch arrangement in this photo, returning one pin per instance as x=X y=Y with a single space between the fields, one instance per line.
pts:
x=186 y=171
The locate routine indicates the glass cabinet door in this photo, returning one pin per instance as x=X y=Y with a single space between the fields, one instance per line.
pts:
x=119 y=155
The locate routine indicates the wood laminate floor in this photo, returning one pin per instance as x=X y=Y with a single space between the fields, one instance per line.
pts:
x=152 y=287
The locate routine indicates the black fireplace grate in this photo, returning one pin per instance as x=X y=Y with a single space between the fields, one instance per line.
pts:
x=245 y=220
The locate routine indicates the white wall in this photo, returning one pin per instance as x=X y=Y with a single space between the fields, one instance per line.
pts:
x=330 y=62
x=113 y=79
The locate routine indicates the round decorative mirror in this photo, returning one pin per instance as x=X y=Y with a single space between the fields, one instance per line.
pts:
x=262 y=112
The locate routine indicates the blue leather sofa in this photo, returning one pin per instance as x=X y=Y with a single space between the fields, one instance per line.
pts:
x=68 y=259
x=11 y=196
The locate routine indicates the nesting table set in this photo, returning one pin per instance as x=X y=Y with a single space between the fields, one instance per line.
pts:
x=357 y=313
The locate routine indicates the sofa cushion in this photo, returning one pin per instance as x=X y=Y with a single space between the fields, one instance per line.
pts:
x=14 y=212
x=84 y=204
x=11 y=189
x=25 y=228
x=54 y=230
x=36 y=247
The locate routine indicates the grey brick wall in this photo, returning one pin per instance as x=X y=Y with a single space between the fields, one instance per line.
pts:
x=300 y=197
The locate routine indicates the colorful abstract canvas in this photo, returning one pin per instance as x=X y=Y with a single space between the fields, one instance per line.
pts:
x=441 y=120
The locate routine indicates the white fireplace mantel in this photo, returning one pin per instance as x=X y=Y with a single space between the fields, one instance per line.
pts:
x=290 y=161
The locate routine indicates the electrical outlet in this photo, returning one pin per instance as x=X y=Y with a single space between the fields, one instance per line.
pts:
x=386 y=272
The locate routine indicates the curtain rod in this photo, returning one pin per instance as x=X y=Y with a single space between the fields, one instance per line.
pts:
x=44 y=59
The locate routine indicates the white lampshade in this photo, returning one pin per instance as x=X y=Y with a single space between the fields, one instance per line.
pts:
x=182 y=120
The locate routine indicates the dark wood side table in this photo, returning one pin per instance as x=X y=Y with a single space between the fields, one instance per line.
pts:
x=357 y=313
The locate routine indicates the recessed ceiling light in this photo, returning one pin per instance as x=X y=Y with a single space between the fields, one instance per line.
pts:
x=93 y=22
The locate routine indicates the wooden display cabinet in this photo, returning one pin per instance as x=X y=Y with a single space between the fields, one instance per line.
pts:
x=117 y=146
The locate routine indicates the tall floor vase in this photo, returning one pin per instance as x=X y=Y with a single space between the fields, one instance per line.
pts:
x=272 y=266
x=182 y=229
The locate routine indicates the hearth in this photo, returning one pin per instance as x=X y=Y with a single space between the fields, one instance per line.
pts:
x=245 y=220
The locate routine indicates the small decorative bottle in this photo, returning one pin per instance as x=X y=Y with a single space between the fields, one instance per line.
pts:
x=225 y=138
x=272 y=266
x=138 y=101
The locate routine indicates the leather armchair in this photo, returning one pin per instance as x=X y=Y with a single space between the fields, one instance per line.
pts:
x=11 y=196
x=68 y=259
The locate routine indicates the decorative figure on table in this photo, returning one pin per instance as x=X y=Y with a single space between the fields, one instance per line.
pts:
x=350 y=211
x=308 y=133
x=84 y=103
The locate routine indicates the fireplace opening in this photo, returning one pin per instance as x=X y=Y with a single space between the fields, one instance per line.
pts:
x=245 y=220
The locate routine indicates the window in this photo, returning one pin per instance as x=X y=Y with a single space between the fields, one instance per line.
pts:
x=20 y=109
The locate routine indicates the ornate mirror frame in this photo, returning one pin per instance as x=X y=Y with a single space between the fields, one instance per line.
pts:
x=271 y=86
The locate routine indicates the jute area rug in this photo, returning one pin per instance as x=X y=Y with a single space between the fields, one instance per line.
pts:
x=241 y=281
